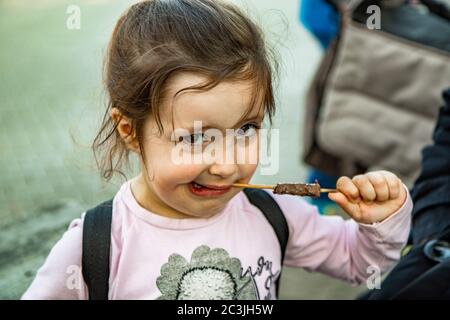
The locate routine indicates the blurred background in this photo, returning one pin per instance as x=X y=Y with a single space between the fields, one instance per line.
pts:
x=51 y=103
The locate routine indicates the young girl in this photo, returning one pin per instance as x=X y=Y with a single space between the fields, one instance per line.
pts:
x=180 y=230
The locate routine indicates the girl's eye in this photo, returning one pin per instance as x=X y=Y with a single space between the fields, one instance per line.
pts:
x=196 y=138
x=247 y=130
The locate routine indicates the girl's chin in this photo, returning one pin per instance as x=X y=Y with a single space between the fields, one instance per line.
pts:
x=206 y=211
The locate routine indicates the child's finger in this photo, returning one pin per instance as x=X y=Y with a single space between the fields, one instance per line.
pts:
x=365 y=187
x=394 y=183
x=348 y=188
x=380 y=185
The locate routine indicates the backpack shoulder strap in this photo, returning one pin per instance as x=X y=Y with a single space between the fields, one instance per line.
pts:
x=268 y=206
x=272 y=211
x=96 y=250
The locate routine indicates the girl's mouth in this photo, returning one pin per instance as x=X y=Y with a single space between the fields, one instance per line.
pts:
x=205 y=191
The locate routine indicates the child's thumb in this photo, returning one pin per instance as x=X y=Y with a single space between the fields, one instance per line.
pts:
x=342 y=201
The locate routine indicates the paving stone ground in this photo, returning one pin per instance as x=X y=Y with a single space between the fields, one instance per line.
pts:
x=51 y=101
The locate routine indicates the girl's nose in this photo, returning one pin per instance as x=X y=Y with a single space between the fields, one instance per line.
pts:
x=223 y=170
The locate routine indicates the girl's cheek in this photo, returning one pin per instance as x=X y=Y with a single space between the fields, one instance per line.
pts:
x=250 y=169
x=186 y=173
x=248 y=154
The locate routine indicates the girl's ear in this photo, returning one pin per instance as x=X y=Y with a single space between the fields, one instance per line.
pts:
x=125 y=129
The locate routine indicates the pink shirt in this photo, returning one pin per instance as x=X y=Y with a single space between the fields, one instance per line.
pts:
x=234 y=254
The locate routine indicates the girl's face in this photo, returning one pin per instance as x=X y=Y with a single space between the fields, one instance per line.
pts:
x=179 y=189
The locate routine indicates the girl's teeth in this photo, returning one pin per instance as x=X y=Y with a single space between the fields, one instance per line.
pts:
x=197 y=186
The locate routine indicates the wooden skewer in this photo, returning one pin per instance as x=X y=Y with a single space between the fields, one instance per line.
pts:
x=261 y=186
x=254 y=186
x=327 y=190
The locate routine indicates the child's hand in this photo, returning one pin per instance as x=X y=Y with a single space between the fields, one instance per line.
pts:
x=371 y=197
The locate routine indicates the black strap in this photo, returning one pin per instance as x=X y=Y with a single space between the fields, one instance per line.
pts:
x=96 y=250
x=268 y=206
x=97 y=240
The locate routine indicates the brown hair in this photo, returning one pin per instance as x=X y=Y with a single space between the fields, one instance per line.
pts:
x=155 y=39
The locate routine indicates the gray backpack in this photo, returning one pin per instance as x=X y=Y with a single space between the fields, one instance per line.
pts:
x=374 y=99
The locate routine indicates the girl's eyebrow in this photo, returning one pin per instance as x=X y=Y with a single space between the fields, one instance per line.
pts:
x=258 y=118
